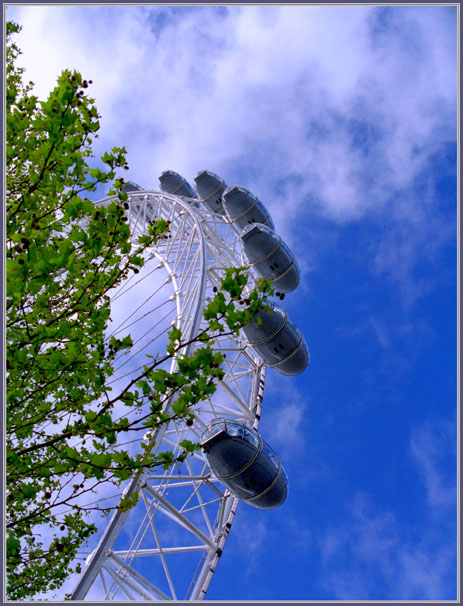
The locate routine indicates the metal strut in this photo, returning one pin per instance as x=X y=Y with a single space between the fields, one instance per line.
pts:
x=185 y=514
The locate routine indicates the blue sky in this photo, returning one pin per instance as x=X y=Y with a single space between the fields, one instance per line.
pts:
x=342 y=120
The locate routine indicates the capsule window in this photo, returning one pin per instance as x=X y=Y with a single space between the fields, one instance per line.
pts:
x=251 y=437
x=234 y=429
x=271 y=455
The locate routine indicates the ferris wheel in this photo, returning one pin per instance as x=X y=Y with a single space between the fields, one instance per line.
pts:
x=168 y=546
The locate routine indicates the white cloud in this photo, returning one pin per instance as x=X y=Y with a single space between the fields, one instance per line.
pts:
x=251 y=536
x=423 y=571
x=208 y=88
x=328 y=111
x=376 y=555
x=284 y=417
x=433 y=445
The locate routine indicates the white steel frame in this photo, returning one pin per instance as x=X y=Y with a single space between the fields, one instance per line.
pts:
x=180 y=525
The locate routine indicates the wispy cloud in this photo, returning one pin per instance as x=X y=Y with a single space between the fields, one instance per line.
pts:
x=376 y=555
x=285 y=416
x=264 y=96
x=368 y=559
x=433 y=448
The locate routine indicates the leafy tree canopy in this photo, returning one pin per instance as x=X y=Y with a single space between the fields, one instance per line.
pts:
x=64 y=256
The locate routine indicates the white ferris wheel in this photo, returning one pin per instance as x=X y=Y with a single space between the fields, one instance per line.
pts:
x=168 y=546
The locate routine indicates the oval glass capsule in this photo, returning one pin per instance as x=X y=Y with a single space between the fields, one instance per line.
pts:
x=277 y=340
x=244 y=208
x=270 y=256
x=173 y=183
x=210 y=188
x=130 y=186
x=245 y=464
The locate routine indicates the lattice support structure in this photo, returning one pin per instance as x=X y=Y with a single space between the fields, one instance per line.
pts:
x=169 y=545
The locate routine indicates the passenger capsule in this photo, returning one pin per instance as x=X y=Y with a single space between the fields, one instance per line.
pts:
x=173 y=183
x=210 y=188
x=277 y=340
x=244 y=208
x=245 y=464
x=270 y=256
x=131 y=186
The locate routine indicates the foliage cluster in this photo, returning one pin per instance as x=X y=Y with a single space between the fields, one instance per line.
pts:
x=64 y=256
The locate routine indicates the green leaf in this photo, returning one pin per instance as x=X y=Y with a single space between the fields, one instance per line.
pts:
x=100 y=460
x=95 y=173
x=12 y=546
x=189 y=446
x=29 y=491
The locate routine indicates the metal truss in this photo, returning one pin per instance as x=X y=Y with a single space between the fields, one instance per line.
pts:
x=168 y=546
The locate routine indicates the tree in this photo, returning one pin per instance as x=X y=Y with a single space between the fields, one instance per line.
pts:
x=64 y=257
